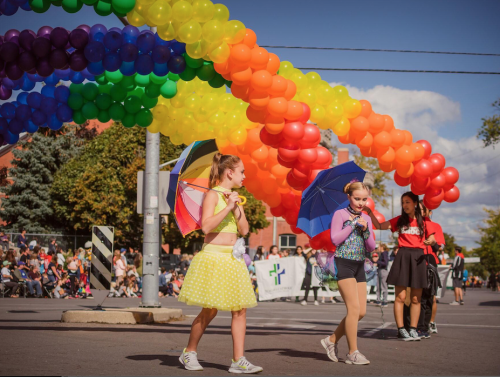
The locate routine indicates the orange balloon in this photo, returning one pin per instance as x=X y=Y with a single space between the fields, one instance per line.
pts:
x=404 y=155
x=388 y=123
x=418 y=151
x=291 y=90
x=229 y=149
x=366 y=108
x=346 y=139
x=384 y=167
x=250 y=170
x=274 y=199
x=278 y=87
x=260 y=58
x=241 y=75
x=386 y=156
x=241 y=55
x=272 y=158
x=227 y=76
x=295 y=110
x=273 y=65
x=261 y=80
x=253 y=137
x=279 y=171
x=270 y=188
x=250 y=38
x=258 y=99
x=240 y=91
x=278 y=106
x=382 y=140
x=408 y=137
x=223 y=68
x=283 y=186
x=263 y=175
x=256 y=116
x=264 y=166
x=377 y=123
x=365 y=151
x=274 y=125
x=405 y=171
x=397 y=138
x=360 y=125
x=364 y=141
x=242 y=149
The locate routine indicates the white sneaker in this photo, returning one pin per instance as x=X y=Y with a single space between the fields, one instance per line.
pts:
x=244 y=366
x=316 y=302
x=454 y=303
x=303 y=303
x=190 y=360
x=332 y=349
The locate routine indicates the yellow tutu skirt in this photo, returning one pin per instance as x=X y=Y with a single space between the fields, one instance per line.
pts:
x=216 y=279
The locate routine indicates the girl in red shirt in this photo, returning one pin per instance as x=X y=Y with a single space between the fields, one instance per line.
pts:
x=409 y=267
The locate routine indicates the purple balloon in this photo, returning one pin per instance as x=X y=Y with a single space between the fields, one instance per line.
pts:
x=44 y=31
x=77 y=61
x=8 y=83
x=2 y=65
x=9 y=51
x=161 y=54
x=248 y=260
x=97 y=28
x=94 y=51
x=129 y=52
x=63 y=73
x=35 y=77
x=79 y=38
x=8 y=8
x=44 y=68
x=41 y=47
x=12 y=33
x=13 y=71
x=38 y=117
x=27 y=61
x=5 y=93
x=59 y=37
x=59 y=58
x=26 y=39
x=84 y=27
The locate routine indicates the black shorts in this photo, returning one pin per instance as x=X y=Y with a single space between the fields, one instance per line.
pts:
x=409 y=269
x=457 y=283
x=348 y=269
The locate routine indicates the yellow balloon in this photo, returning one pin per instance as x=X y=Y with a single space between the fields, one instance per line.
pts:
x=334 y=112
x=213 y=31
x=325 y=95
x=221 y=13
x=160 y=112
x=285 y=68
x=145 y=2
x=227 y=102
x=203 y=10
x=233 y=120
x=177 y=101
x=165 y=130
x=211 y=102
x=234 y=31
x=192 y=103
x=202 y=114
x=314 y=79
x=167 y=31
x=176 y=138
x=182 y=11
x=308 y=96
x=317 y=113
x=341 y=93
x=238 y=136
x=220 y=54
x=198 y=49
x=222 y=132
x=218 y=119
x=154 y=127
x=352 y=108
x=190 y=31
x=222 y=142
x=135 y=18
x=342 y=127
x=176 y=113
x=160 y=12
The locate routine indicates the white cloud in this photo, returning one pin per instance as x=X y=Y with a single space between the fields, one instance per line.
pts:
x=423 y=113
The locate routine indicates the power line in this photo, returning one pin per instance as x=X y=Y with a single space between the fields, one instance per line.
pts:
x=397 y=70
x=482 y=162
x=382 y=50
x=489 y=176
x=466 y=153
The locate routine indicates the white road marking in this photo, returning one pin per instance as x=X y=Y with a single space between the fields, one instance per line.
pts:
x=381 y=327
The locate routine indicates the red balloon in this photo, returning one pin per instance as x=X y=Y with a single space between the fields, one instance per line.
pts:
x=294 y=182
x=427 y=146
x=313 y=174
x=417 y=190
x=370 y=204
x=306 y=114
x=291 y=217
x=296 y=230
x=423 y=168
x=324 y=158
x=316 y=242
x=293 y=131
x=379 y=217
x=400 y=181
x=439 y=181
x=430 y=204
x=312 y=136
x=286 y=164
x=288 y=151
x=452 y=195
x=434 y=195
x=278 y=211
x=298 y=200
x=420 y=183
x=301 y=171
x=308 y=156
x=288 y=200
x=270 y=139
x=438 y=162
x=451 y=175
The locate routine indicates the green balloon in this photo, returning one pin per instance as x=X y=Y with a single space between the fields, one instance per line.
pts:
x=90 y=91
x=138 y=92
x=173 y=76
x=128 y=83
x=157 y=79
x=132 y=104
x=153 y=90
x=114 y=77
x=103 y=101
x=144 y=118
x=103 y=116
x=57 y=3
x=101 y=79
x=229 y=83
x=116 y=111
x=89 y=2
x=76 y=88
x=105 y=88
x=103 y=7
x=75 y=101
x=188 y=74
x=217 y=82
x=169 y=89
x=40 y=6
x=128 y=121
x=206 y=72
x=123 y=6
x=142 y=80
x=193 y=63
x=117 y=93
x=90 y=110
x=72 y=6
x=149 y=102
x=78 y=117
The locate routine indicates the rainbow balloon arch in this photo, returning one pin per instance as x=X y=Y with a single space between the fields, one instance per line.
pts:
x=174 y=82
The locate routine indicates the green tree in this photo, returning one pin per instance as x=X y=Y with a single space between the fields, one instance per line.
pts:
x=450 y=244
x=28 y=203
x=489 y=244
x=490 y=130
x=379 y=191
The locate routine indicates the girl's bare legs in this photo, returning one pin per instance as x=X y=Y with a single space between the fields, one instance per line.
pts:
x=199 y=326
x=434 y=310
x=416 y=295
x=238 y=330
x=354 y=295
x=399 y=303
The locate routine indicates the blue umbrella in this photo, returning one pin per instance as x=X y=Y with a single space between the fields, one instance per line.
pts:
x=325 y=195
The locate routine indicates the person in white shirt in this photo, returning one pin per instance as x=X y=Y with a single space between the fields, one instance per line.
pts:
x=273 y=253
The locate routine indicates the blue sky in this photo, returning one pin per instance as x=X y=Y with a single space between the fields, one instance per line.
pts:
x=445 y=108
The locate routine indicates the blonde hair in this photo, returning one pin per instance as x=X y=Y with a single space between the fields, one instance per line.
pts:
x=219 y=165
x=353 y=186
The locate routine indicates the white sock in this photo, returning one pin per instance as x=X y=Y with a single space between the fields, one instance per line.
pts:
x=328 y=341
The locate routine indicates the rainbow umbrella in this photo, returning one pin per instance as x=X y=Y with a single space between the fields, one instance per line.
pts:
x=189 y=181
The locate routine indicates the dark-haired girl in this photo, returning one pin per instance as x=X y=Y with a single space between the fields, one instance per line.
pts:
x=409 y=267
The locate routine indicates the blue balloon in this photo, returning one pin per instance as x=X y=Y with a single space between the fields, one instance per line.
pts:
x=161 y=54
x=95 y=68
x=17 y=2
x=176 y=64
x=63 y=74
x=4 y=125
x=27 y=84
x=112 y=61
x=23 y=113
x=64 y=113
x=94 y=51
x=144 y=64
x=22 y=98
x=8 y=8
x=38 y=118
x=161 y=42
x=113 y=40
x=54 y=123
x=146 y=42
x=18 y=83
x=11 y=138
x=34 y=100
x=30 y=127
x=130 y=34
x=178 y=48
x=128 y=68
x=35 y=77
x=8 y=83
x=98 y=37
x=97 y=29
x=160 y=70
x=26 y=6
x=8 y=110
x=48 y=91
x=76 y=77
x=129 y=52
x=49 y=105
x=52 y=80
x=16 y=126
x=62 y=93
x=115 y=29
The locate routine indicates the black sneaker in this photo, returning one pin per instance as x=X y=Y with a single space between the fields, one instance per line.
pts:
x=461 y=302
x=384 y=304
x=433 y=328
x=378 y=303
x=423 y=334
x=403 y=335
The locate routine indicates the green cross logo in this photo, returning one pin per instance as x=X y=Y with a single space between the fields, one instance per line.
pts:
x=276 y=270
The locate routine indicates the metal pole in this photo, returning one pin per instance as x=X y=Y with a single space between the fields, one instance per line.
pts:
x=275 y=230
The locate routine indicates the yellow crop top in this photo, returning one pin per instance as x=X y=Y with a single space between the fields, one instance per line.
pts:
x=228 y=225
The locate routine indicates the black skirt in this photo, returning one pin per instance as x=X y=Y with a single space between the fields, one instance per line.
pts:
x=408 y=269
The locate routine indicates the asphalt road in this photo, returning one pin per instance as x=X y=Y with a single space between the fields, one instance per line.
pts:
x=282 y=337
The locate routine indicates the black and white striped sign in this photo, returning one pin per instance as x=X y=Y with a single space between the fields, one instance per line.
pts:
x=102 y=257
